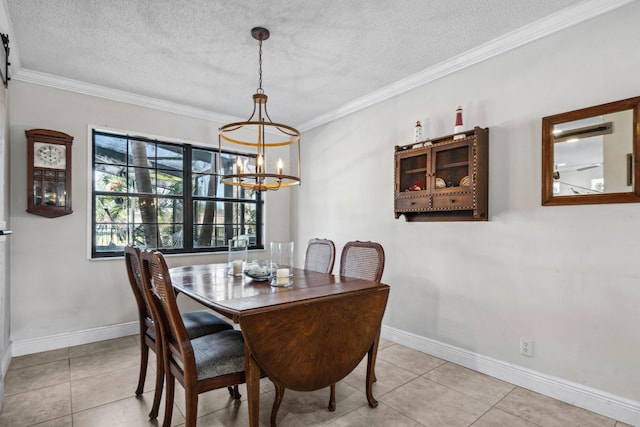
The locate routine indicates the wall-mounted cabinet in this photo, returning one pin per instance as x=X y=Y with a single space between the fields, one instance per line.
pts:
x=444 y=179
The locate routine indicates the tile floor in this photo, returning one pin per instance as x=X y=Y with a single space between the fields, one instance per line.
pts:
x=93 y=385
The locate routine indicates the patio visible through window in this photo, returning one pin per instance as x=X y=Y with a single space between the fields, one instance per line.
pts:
x=153 y=193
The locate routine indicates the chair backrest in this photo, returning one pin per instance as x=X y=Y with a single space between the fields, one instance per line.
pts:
x=132 y=261
x=164 y=307
x=362 y=260
x=320 y=256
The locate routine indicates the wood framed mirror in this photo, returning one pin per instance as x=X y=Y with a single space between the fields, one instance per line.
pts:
x=591 y=155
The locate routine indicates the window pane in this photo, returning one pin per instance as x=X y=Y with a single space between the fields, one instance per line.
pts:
x=109 y=237
x=145 y=235
x=141 y=153
x=169 y=182
x=144 y=209
x=110 y=178
x=203 y=161
x=204 y=218
x=171 y=236
x=169 y=210
x=204 y=212
x=111 y=209
x=227 y=163
x=142 y=180
x=204 y=185
x=169 y=157
x=208 y=236
x=110 y=149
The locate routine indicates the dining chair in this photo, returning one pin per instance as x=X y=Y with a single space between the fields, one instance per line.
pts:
x=361 y=260
x=197 y=323
x=320 y=256
x=200 y=364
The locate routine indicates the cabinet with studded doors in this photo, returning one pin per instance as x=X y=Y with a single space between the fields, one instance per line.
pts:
x=444 y=179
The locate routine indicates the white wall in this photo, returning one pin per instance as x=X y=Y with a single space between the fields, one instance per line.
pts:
x=566 y=277
x=56 y=290
x=5 y=308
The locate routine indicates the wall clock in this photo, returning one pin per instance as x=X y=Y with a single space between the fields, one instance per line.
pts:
x=48 y=173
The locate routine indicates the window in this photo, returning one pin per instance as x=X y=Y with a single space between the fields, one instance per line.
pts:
x=153 y=193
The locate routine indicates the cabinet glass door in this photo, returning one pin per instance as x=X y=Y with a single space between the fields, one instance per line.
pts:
x=452 y=167
x=413 y=172
x=49 y=188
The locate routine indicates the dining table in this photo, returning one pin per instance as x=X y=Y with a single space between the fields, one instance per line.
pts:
x=305 y=336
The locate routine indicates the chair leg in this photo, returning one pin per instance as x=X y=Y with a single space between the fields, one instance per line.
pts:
x=157 y=395
x=332 y=398
x=234 y=392
x=192 y=408
x=144 y=358
x=276 y=403
x=168 y=404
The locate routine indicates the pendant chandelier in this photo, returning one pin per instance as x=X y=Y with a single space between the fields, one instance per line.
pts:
x=268 y=171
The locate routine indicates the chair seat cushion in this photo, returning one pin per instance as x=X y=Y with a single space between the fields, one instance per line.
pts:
x=219 y=354
x=199 y=323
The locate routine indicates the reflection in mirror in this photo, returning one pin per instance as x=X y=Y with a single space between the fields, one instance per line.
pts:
x=589 y=155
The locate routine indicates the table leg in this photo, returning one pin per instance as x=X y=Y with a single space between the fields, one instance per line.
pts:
x=252 y=372
x=371 y=370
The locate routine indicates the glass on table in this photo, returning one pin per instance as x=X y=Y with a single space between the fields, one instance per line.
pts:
x=238 y=250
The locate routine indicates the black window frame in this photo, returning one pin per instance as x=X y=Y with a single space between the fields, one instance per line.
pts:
x=187 y=198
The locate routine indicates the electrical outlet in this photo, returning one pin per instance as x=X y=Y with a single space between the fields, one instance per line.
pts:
x=526 y=347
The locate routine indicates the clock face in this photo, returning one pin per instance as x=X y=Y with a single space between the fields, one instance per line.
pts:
x=49 y=155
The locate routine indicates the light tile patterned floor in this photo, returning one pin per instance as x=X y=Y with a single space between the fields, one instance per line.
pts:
x=93 y=386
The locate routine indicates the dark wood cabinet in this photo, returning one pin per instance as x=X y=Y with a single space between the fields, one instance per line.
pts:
x=444 y=179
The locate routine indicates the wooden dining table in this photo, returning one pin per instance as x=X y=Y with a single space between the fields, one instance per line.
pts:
x=305 y=336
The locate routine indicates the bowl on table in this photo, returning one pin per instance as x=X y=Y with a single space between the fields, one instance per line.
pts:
x=258 y=270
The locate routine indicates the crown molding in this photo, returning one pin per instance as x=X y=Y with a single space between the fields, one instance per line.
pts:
x=546 y=26
x=71 y=85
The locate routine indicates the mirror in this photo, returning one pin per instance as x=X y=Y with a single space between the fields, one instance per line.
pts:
x=591 y=155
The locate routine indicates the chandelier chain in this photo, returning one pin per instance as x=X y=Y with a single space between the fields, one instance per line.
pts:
x=260 y=90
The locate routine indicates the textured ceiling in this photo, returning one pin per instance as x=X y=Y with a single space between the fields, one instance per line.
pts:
x=322 y=55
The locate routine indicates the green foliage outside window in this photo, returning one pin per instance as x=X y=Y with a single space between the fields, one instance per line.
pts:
x=145 y=192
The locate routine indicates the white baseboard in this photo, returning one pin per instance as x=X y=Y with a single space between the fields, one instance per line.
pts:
x=607 y=404
x=54 y=342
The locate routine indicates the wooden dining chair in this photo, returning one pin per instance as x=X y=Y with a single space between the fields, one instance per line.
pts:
x=320 y=256
x=200 y=364
x=361 y=260
x=197 y=324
